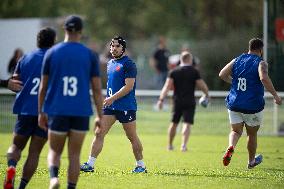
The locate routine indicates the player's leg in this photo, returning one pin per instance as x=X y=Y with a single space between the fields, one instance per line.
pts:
x=38 y=140
x=253 y=122
x=97 y=145
x=21 y=136
x=188 y=115
x=176 y=115
x=74 y=149
x=130 y=131
x=237 y=125
x=57 y=133
x=171 y=134
x=186 y=128
x=56 y=144
x=13 y=156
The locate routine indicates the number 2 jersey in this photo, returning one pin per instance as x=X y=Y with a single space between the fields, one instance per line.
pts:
x=117 y=71
x=70 y=67
x=247 y=91
x=29 y=69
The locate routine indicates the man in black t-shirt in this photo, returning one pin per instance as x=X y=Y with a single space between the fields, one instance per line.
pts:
x=159 y=62
x=182 y=80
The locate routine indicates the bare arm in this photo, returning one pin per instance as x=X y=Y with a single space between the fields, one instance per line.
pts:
x=42 y=118
x=97 y=95
x=200 y=84
x=226 y=73
x=266 y=81
x=166 y=88
x=129 y=84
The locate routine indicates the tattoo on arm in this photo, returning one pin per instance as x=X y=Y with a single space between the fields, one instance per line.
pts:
x=264 y=68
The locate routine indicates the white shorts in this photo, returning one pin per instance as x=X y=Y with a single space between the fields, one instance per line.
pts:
x=251 y=120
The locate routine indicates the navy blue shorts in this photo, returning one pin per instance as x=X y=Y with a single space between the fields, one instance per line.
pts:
x=27 y=125
x=64 y=124
x=122 y=116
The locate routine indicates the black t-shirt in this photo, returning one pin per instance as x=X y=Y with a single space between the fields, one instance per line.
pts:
x=162 y=57
x=184 y=79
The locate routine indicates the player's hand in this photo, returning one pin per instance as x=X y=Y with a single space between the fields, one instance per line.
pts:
x=277 y=100
x=15 y=85
x=160 y=104
x=42 y=121
x=108 y=101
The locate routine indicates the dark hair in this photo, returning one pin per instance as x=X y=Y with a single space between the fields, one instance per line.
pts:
x=255 y=44
x=46 y=37
x=73 y=23
x=120 y=40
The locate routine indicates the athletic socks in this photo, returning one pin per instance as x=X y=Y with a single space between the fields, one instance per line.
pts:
x=12 y=162
x=140 y=163
x=23 y=183
x=91 y=161
x=71 y=185
x=53 y=171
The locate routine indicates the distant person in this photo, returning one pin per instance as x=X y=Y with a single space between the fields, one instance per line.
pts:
x=28 y=72
x=159 y=62
x=248 y=75
x=183 y=80
x=18 y=53
x=69 y=70
x=120 y=105
x=12 y=84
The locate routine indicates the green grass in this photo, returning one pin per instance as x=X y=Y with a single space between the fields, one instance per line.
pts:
x=200 y=167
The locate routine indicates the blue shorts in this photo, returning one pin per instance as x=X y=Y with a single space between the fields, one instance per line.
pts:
x=27 y=125
x=64 y=124
x=122 y=116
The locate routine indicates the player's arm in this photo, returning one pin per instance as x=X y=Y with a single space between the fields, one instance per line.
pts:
x=169 y=84
x=42 y=117
x=226 y=73
x=201 y=85
x=129 y=84
x=266 y=81
x=12 y=84
x=98 y=98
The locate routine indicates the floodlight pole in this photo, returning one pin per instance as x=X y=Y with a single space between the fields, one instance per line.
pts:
x=265 y=29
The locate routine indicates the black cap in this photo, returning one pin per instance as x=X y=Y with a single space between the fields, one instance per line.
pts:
x=73 y=23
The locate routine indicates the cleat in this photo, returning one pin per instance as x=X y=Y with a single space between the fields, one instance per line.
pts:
x=10 y=177
x=257 y=161
x=228 y=156
x=139 y=169
x=183 y=149
x=170 y=148
x=86 y=168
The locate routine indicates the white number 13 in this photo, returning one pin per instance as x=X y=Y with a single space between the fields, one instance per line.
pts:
x=70 y=86
x=242 y=84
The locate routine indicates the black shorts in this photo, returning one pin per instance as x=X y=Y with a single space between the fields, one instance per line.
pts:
x=187 y=112
x=27 y=125
x=122 y=116
x=63 y=124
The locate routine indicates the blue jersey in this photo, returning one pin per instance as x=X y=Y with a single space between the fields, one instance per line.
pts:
x=29 y=69
x=117 y=72
x=70 y=66
x=247 y=91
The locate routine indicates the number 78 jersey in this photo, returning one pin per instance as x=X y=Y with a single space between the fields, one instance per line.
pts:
x=247 y=91
x=70 y=67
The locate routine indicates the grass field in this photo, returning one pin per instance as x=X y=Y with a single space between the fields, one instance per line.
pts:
x=200 y=167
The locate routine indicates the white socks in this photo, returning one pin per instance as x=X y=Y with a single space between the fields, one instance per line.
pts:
x=91 y=161
x=140 y=163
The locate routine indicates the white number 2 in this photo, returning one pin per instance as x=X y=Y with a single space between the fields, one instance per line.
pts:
x=110 y=91
x=242 y=84
x=70 y=86
x=34 y=90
